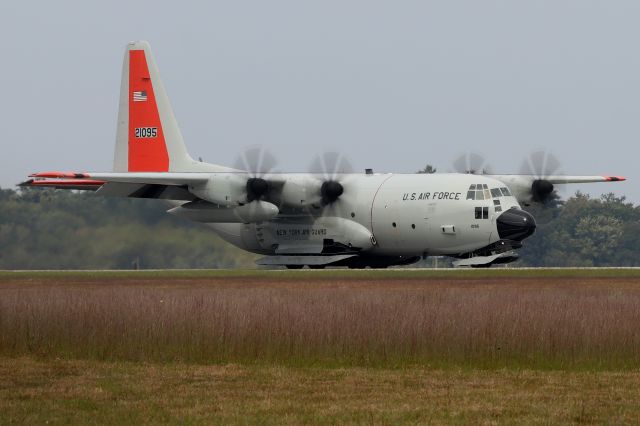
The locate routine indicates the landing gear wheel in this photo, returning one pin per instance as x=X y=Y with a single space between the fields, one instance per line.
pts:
x=294 y=266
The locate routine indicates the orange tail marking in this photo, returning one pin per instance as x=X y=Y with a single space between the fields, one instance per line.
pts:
x=147 y=147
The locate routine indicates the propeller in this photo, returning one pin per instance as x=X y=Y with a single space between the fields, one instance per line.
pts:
x=471 y=163
x=257 y=162
x=331 y=167
x=541 y=164
x=545 y=197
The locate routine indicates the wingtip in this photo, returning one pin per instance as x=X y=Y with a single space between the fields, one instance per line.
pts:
x=615 y=178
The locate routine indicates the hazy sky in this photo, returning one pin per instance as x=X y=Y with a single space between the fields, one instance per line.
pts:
x=394 y=85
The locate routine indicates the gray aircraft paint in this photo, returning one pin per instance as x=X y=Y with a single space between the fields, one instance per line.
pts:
x=392 y=215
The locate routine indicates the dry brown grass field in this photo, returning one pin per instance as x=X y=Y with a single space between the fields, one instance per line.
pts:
x=311 y=346
x=90 y=392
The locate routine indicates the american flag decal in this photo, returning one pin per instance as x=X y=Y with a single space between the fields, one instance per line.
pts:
x=140 y=96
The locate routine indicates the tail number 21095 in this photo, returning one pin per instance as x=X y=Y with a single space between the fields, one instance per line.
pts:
x=146 y=132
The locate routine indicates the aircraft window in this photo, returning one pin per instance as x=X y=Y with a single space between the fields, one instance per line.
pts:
x=394 y=224
x=496 y=202
x=471 y=195
x=479 y=195
x=487 y=194
x=479 y=186
x=482 y=212
x=495 y=192
x=472 y=187
x=484 y=186
x=498 y=209
x=505 y=192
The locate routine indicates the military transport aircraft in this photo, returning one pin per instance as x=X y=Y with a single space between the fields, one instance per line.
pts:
x=327 y=217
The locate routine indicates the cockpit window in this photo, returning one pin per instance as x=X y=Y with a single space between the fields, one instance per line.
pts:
x=505 y=192
x=481 y=191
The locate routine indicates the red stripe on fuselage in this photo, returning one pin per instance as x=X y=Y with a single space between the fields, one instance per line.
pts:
x=147 y=150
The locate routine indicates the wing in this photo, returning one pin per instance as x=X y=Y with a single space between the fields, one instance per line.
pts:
x=222 y=188
x=529 y=188
x=171 y=186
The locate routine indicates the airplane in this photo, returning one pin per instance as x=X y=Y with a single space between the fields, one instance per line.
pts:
x=328 y=217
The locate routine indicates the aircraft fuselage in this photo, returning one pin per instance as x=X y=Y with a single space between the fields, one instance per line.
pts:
x=389 y=215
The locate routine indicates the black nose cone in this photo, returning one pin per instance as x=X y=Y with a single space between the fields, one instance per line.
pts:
x=515 y=224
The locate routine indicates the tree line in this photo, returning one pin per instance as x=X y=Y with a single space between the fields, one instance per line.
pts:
x=49 y=229
x=57 y=229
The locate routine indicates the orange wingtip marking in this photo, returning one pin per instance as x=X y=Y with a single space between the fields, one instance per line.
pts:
x=59 y=175
x=615 y=178
x=65 y=182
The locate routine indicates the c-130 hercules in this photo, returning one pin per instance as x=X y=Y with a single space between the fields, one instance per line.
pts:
x=325 y=218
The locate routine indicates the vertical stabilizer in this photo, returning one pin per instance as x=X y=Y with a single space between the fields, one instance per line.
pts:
x=148 y=138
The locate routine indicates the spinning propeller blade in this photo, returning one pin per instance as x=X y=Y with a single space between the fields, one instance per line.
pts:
x=257 y=162
x=541 y=164
x=331 y=167
x=471 y=163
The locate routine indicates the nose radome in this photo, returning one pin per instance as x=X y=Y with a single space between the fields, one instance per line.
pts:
x=515 y=224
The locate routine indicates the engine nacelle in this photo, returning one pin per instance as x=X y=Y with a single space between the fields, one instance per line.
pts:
x=301 y=191
x=541 y=190
x=224 y=189
x=256 y=211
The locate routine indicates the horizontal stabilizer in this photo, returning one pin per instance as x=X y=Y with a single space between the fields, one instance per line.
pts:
x=78 y=184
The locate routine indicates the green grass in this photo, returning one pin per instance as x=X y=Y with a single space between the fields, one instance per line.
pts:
x=89 y=392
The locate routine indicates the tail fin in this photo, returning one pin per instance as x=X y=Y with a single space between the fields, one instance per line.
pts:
x=148 y=138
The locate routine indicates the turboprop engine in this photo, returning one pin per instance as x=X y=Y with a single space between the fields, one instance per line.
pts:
x=311 y=190
x=255 y=191
x=229 y=198
x=323 y=185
